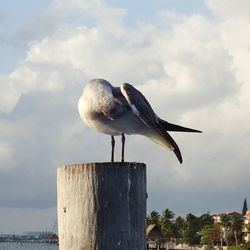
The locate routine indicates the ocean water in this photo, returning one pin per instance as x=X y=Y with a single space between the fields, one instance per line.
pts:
x=26 y=246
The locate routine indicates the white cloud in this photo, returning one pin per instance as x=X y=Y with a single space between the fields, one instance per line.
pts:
x=8 y=95
x=230 y=9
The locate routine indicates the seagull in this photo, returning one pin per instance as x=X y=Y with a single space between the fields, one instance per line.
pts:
x=124 y=110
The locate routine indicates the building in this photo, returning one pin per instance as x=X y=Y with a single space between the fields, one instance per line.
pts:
x=155 y=237
x=246 y=229
x=224 y=230
x=217 y=217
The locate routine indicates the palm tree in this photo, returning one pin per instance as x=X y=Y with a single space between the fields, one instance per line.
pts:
x=153 y=218
x=166 y=222
x=190 y=218
x=206 y=220
x=236 y=223
x=192 y=236
x=225 y=224
x=167 y=214
x=180 y=227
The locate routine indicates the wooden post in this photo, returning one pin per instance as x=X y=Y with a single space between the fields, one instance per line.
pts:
x=102 y=206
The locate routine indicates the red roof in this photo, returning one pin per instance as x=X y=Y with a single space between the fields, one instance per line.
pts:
x=231 y=213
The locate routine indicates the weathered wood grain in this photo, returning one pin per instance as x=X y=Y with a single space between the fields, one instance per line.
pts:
x=102 y=206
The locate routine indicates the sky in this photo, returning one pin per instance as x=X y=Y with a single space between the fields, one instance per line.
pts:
x=190 y=58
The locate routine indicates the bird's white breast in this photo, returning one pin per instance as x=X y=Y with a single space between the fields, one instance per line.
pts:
x=96 y=96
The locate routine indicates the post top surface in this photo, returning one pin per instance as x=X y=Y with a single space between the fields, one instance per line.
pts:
x=104 y=164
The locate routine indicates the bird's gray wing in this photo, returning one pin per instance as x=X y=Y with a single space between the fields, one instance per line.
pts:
x=139 y=105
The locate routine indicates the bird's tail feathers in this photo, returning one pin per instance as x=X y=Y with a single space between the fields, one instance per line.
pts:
x=161 y=137
x=176 y=128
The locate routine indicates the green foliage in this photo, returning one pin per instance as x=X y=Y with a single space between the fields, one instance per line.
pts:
x=191 y=235
x=195 y=230
x=225 y=223
x=234 y=248
x=225 y=220
x=195 y=225
x=236 y=225
x=153 y=218
x=166 y=223
x=211 y=234
x=237 y=222
x=168 y=214
x=206 y=220
x=180 y=227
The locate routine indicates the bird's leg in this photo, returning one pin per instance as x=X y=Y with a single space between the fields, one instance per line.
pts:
x=112 y=148
x=123 y=147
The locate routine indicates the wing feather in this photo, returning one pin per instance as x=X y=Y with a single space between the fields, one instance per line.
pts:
x=139 y=105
